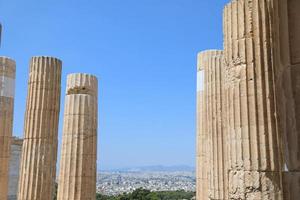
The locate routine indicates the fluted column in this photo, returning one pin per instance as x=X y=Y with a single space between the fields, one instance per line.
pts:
x=202 y=137
x=213 y=64
x=254 y=157
x=7 y=90
x=287 y=58
x=38 y=162
x=77 y=177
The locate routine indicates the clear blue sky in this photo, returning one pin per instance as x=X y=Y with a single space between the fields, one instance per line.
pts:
x=144 y=54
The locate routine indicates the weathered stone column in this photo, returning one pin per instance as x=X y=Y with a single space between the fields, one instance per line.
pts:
x=7 y=90
x=38 y=162
x=287 y=58
x=202 y=182
x=254 y=157
x=213 y=64
x=77 y=177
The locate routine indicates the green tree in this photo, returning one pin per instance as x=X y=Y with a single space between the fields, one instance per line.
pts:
x=143 y=194
x=55 y=191
x=140 y=194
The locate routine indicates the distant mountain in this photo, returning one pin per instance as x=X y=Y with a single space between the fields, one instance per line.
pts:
x=155 y=168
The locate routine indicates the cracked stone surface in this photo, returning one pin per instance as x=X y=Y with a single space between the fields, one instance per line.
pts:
x=251 y=126
x=7 y=88
x=77 y=177
x=211 y=172
x=39 y=152
x=287 y=59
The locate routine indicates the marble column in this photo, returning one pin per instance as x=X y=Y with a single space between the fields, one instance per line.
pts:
x=251 y=124
x=287 y=58
x=202 y=137
x=38 y=161
x=7 y=90
x=77 y=177
x=213 y=64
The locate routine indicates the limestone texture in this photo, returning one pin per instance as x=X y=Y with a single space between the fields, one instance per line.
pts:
x=211 y=144
x=77 y=177
x=287 y=65
x=7 y=88
x=39 y=152
x=202 y=137
x=251 y=106
x=254 y=162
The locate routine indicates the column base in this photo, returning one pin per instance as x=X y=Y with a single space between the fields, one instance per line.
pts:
x=254 y=185
x=291 y=185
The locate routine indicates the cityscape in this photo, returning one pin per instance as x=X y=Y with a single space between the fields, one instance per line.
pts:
x=113 y=183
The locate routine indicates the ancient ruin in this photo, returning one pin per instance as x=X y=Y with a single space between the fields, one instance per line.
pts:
x=213 y=64
x=202 y=137
x=38 y=162
x=259 y=94
x=7 y=90
x=210 y=128
x=77 y=177
x=248 y=116
x=287 y=76
x=251 y=128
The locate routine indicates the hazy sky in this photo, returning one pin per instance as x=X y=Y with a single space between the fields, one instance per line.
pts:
x=144 y=54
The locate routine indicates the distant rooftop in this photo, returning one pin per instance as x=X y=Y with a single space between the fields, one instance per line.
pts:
x=17 y=141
